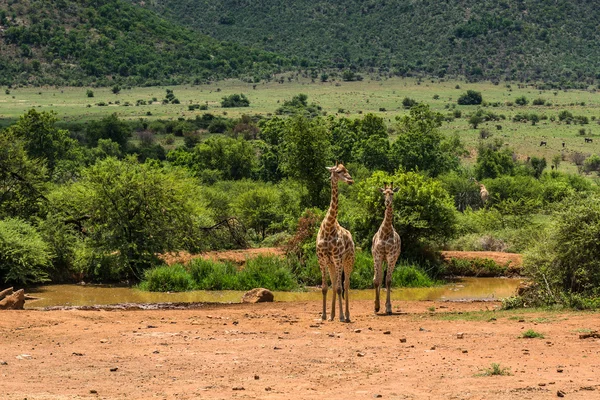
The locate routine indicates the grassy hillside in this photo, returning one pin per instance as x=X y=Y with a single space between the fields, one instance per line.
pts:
x=349 y=99
x=68 y=42
x=550 y=40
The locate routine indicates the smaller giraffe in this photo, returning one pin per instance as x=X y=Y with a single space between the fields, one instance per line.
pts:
x=483 y=192
x=385 y=248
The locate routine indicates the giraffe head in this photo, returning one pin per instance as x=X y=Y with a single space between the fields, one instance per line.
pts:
x=388 y=192
x=339 y=172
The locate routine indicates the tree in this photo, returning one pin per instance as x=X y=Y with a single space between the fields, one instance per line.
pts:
x=556 y=160
x=42 y=139
x=233 y=158
x=305 y=154
x=132 y=212
x=259 y=209
x=109 y=127
x=475 y=120
x=407 y=102
x=116 y=89
x=299 y=105
x=423 y=210
x=538 y=165
x=344 y=138
x=493 y=160
x=24 y=256
x=420 y=144
x=565 y=264
x=470 y=98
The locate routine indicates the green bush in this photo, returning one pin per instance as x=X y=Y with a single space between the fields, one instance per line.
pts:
x=270 y=272
x=565 y=264
x=173 y=278
x=24 y=256
x=235 y=100
x=404 y=275
x=212 y=275
x=472 y=97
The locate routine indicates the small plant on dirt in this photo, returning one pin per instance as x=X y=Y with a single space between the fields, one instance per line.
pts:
x=431 y=309
x=495 y=370
x=531 y=334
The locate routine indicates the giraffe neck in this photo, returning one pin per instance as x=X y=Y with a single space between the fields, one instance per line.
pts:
x=386 y=225
x=331 y=217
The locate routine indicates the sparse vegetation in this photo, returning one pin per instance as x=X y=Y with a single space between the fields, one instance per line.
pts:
x=495 y=370
x=531 y=334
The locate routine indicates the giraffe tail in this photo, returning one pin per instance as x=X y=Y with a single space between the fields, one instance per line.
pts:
x=343 y=279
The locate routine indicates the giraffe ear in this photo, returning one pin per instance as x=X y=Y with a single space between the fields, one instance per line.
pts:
x=395 y=190
x=330 y=168
x=381 y=190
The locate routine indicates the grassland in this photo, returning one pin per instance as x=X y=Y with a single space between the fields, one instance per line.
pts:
x=349 y=99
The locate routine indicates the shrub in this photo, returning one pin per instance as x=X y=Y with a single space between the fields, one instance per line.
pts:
x=531 y=334
x=167 y=279
x=539 y=102
x=24 y=256
x=407 y=102
x=521 y=101
x=211 y=275
x=566 y=261
x=89 y=93
x=270 y=272
x=235 y=100
x=470 y=98
x=495 y=370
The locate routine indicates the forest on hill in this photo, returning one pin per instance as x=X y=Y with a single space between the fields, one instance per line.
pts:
x=98 y=42
x=550 y=40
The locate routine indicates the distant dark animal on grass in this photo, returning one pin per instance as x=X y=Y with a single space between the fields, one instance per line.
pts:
x=543 y=143
x=589 y=140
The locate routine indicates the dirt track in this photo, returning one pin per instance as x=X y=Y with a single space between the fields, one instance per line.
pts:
x=283 y=351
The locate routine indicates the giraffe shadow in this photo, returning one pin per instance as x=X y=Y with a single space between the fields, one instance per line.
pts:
x=393 y=314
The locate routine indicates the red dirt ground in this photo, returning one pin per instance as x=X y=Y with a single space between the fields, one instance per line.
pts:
x=240 y=256
x=284 y=351
x=235 y=256
x=516 y=260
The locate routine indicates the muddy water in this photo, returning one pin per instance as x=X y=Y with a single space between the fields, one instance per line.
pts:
x=83 y=295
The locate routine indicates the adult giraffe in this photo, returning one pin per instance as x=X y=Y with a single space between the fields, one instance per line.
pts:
x=335 y=248
x=385 y=247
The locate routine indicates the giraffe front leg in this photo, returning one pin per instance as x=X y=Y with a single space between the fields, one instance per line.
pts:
x=377 y=278
x=340 y=297
x=334 y=284
x=323 y=267
x=348 y=272
x=391 y=262
x=324 y=291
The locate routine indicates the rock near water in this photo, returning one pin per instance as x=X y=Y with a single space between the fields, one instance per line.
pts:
x=12 y=301
x=258 y=295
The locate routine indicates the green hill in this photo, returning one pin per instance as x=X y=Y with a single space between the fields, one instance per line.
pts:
x=67 y=42
x=550 y=40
